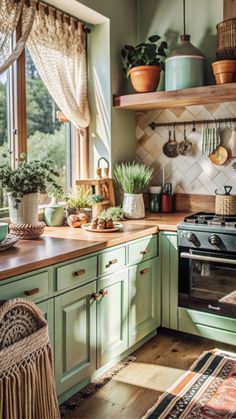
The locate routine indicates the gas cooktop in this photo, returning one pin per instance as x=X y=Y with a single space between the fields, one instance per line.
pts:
x=208 y=231
x=211 y=219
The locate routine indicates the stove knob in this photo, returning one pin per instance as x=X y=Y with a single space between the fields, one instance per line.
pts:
x=214 y=240
x=191 y=237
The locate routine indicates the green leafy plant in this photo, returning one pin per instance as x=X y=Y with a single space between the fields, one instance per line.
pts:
x=132 y=177
x=152 y=52
x=116 y=213
x=95 y=199
x=80 y=200
x=27 y=177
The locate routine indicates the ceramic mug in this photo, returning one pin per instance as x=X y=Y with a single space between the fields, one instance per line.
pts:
x=3 y=231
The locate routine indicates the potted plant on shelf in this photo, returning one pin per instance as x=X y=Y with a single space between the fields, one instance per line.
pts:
x=132 y=178
x=23 y=183
x=143 y=63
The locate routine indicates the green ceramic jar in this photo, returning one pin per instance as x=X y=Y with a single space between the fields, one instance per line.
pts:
x=184 y=67
x=54 y=214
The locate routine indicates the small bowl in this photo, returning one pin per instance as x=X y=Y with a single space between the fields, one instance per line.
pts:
x=3 y=231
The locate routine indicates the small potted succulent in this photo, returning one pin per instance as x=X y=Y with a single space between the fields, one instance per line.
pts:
x=23 y=184
x=96 y=203
x=143 y=63
x=78 y=207
x=132 y=178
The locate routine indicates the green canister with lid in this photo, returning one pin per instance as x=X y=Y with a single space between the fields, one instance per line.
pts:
x=184 y=67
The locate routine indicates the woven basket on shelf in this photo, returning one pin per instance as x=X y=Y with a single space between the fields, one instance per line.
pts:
x=225 y=205
x=226 y=39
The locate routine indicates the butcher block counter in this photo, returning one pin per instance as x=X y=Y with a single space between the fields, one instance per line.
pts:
x=64 y=243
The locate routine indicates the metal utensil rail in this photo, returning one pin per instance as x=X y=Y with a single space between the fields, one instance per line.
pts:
x=220 y=121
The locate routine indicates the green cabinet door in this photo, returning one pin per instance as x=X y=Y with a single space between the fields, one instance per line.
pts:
x=169 y=279
x=75 y=336
x=47 y=308
x=144 y=299
x=112 y=317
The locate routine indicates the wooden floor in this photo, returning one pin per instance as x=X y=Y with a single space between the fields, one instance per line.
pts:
x=159 y=363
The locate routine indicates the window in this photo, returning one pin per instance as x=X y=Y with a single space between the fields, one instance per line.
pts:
x=4 y=125
x=29 y=124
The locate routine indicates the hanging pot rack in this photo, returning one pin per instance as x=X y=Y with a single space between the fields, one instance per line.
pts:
x=220 y=121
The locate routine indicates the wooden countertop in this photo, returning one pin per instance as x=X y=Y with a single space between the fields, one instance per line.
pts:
x=64 y=243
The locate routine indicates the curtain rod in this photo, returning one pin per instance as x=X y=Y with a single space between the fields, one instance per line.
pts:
x=154 y=125
x=67 y=15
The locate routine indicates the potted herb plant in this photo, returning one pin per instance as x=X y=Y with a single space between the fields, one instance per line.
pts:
x=143 y=63
x=23 y=183
x=96 y=203
x=79 y=203
x=132 y=178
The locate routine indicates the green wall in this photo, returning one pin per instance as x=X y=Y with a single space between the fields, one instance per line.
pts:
x=112 y=133
x=164 y=17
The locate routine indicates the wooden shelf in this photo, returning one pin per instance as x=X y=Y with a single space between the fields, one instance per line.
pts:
x=177 y=98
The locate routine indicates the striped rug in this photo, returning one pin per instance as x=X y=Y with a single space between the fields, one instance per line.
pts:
x=207 y=390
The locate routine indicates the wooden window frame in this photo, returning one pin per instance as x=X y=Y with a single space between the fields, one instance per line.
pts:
x=18 y=126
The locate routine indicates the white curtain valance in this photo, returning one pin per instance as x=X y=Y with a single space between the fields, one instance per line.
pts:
x=58 y=49
x=10 y=13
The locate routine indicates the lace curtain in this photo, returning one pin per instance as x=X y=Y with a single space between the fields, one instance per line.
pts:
x=58 y=49
x=10 y=13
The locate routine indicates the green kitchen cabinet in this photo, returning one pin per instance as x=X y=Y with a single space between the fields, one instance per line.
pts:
x=75 y=336
x=112 y=317
x=169 y=278
x=144 y=299
x=47 y=308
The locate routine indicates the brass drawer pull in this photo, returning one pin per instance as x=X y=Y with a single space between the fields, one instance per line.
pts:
x=32 y=292
x=111 y=262
x=145 y=252
x=144 y=271
x=103 y=293
x=81 y=272
x=94 y=296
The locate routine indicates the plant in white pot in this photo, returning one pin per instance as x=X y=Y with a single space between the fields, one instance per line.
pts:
x=132 y=178
x=23 y=183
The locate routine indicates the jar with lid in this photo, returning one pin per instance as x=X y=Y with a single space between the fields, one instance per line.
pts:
x=167 y=199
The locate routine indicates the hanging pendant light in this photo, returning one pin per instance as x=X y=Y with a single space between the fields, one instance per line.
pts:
x=185 y=65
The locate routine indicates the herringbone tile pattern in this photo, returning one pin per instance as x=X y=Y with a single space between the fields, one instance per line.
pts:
x=189 y=174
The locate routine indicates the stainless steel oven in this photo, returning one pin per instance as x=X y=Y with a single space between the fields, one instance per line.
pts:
x=207 y=271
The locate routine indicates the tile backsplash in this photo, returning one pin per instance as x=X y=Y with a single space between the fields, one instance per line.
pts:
x=193 y=174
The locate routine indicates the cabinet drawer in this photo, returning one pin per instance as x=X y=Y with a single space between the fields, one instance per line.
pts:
x=76 y=273
x=109 y=262
x=142 y=250
x=35 y=288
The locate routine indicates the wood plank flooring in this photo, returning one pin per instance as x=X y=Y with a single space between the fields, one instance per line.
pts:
x=159 y=363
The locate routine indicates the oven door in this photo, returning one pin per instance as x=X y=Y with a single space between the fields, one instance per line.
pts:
x=211 y=282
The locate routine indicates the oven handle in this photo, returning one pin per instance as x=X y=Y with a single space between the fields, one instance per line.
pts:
x=207 y=258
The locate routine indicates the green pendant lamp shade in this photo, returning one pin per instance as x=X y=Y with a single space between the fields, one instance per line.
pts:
x=185 y=64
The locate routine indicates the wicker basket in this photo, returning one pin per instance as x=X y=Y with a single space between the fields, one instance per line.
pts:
x=225 y=205
x=226 y=39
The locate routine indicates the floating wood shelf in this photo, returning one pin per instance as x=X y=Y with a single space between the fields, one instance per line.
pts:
x=177 y=98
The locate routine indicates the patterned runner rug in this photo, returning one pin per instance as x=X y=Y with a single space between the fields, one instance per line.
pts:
x=207 y=390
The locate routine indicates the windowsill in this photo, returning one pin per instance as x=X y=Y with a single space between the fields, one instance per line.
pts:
x=5 y=217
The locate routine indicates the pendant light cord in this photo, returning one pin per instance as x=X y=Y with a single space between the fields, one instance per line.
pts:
x=184 y=17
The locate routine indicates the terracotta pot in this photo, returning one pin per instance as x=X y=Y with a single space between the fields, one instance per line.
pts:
x=145 y=78
x=224 y=71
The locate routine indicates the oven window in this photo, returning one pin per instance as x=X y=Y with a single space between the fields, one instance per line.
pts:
x=213 y=281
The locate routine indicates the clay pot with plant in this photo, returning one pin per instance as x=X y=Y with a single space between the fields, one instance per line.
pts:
x=224 y=71
x=143 y=63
